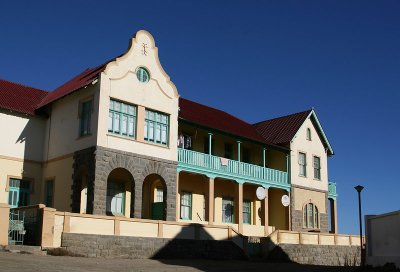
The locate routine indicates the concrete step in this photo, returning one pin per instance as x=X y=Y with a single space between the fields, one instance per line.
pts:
x=35 y=250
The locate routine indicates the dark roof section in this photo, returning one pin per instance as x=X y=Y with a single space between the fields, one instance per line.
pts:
x=217 y=119
x=281 y=130
x=20 y=98
x=81 y=80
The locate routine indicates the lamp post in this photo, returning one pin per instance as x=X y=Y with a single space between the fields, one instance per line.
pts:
x=359 y=188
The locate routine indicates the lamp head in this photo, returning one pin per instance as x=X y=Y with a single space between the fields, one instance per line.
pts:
x=359 y=188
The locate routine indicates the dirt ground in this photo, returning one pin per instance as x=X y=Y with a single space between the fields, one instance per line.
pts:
x=26 y=262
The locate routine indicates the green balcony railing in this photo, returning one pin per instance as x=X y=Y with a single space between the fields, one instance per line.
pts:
x=332 y=189
x=231 y=169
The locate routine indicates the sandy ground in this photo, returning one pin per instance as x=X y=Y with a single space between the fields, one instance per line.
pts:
x=26 y=262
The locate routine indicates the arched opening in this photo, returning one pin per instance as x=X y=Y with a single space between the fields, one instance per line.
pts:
x=310 y=216
x=119 y=192
x=83 y=192
x=154 y=198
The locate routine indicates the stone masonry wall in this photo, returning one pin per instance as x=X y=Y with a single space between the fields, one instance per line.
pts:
x=110 y=246
x=317 y=254
x=98 y=162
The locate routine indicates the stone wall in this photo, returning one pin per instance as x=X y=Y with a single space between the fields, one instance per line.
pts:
x=316 y=254
x=110 y=246
x=98 y=162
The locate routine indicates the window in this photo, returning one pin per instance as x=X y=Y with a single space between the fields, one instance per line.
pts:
x=317 y=168
x=122 y=119
x=310 y=216
x=142 y=74
x=115 y=197
x=19 y=192
x=227 y=210
x=159 y=195
x=246 y=212
x=85 y=112
x=49 y=193
x=302 y=164
x=308 y=134
x=228 y=151
x=186 y=205
x=156 y=127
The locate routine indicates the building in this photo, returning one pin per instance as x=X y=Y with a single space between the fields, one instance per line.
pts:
x=119 y=140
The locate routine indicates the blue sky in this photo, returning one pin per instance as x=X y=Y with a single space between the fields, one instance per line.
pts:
x=254 y=59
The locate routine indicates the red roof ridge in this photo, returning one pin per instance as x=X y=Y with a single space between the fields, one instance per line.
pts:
x=213 y=108
x=285 y=116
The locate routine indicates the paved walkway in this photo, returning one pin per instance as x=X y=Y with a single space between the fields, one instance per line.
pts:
x=11 y=262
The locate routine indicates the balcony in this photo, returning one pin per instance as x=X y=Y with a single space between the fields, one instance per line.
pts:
x=206 y=164
x=332 y=190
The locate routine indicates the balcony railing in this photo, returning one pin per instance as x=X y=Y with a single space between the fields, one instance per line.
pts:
x=332 y=189
x=231 y=169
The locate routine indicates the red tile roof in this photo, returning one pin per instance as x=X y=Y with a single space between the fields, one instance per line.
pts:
x=281 y=130
x=20 y=98
x=216 y=119
x=81 y=80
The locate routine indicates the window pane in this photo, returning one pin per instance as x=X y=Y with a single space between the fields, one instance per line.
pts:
x=124 y=125
x=116 y=123
x=110 y=121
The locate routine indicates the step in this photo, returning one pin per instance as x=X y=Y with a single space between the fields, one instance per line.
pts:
x=35 y=250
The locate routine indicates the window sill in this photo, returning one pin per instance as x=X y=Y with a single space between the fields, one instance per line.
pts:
x=121 y=136
x=316 y=179
x=301 y=176
x=155 y=144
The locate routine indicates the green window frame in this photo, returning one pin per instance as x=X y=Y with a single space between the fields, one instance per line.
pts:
x=49 y=197
x=156 y=127
x=246 y=212
x=85 y=116
x=228 y=210
x=142 y=74
x=302 y=164
x=317 y=168
x=122 y=118
x=186 y=205
x=310 y=216
x=115 y=203
x=19 y=192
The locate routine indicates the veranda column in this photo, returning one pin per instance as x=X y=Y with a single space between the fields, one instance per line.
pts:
x=266 y=212
x=335 y=224
x=239 y=204
x=211 y=201
x=178 y=202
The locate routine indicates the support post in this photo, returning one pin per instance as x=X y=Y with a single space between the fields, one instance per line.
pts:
x=211 y=201
x=239 y=201
x=266 y=212
x=178 y=203
x=209 y=143
x=335 y=216
x=4 y=215
x=48 y=218
x=238 y=143
x=264 y=157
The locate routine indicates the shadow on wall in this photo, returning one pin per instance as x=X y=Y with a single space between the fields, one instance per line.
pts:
x=29 y=190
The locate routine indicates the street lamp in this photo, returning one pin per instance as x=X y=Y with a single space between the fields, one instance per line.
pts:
x=359 y=188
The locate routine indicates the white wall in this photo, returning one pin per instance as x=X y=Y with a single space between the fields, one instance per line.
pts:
x=62 y=128
x=21 y=150
x=312 y=148
x=22 y=136
x=383 y=239
x=119 y=81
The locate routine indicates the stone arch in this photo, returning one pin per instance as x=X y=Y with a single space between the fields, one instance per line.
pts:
x=120 y=192
x=154 y=197
x=120 y=161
